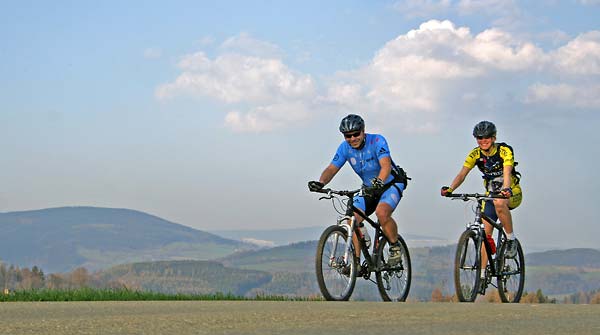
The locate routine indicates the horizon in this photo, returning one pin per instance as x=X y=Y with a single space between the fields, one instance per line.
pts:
x=279 y=234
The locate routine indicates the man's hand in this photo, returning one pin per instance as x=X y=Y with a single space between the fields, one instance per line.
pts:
x=506 y=192
x=375 y=189
x=377 y=183
x=315 y=186
x=446 y=191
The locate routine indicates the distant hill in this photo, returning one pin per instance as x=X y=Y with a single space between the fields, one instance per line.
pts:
x=556 y=272
x=289 y=270
x=296 y=258
x=560 y=272
x=285 y=236
x=192 y=277
x=61 y=239
x=580 y=257
x=165 y=256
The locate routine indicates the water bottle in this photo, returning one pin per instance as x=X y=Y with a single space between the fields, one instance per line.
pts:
x=492 y=243
x=365 y=233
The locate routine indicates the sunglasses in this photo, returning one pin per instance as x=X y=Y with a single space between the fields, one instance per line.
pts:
x=483 y=137
x=350 y=135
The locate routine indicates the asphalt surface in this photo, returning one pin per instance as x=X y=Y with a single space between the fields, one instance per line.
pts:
x=270 y=317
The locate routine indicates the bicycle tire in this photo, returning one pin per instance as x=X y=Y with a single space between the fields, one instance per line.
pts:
x=512 y=275
x=393 y=283
x=335 y=284
x=467 y=266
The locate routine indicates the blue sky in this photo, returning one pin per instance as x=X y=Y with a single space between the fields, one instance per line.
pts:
x=216 y=114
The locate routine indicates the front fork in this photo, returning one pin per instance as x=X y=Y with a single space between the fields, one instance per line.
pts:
x=348 y=223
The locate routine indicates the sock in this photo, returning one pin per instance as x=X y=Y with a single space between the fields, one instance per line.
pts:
x=511 y=236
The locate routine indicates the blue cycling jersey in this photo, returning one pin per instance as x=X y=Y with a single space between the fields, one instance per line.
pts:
x=364 y=161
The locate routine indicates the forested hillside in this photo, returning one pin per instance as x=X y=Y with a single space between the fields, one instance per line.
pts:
x=62 y=239
x=432 y=277
x=197 y=277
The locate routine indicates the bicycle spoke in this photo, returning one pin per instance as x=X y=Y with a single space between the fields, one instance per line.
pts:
x=466 y=267
x=335 y=275
x=512 y=276
x=393 y=282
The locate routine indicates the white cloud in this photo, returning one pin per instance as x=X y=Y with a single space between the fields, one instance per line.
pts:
x=415 y=81
x=267 y=118
x=247 y=45
x=344 y=94
x=236 y=78
x=565 y=95
x=262 y=84
x=498 y=49
x=580 y=56
x=422 y=76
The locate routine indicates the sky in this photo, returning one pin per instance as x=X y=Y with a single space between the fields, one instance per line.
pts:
x=216 y=114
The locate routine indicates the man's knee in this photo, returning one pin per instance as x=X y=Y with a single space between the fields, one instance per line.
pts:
x=501 y=203
x=502 y=207
x=383 y=212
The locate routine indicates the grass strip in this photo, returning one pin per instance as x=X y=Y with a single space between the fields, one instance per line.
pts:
x=92 y=294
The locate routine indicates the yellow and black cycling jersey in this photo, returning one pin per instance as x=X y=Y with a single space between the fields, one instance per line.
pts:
x=492 y=166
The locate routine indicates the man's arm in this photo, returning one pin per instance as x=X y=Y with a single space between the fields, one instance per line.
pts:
x=460 y=177
x=386 y=168
x=328 y=174
x=506 y=183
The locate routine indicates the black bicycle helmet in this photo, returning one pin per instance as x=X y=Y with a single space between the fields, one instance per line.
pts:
x=484 y=129
x=352 y=122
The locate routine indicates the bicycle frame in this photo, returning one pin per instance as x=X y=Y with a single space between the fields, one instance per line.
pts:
x=478 y=225
x=353 y=228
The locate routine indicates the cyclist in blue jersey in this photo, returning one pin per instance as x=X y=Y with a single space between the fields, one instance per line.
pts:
x=369 y=156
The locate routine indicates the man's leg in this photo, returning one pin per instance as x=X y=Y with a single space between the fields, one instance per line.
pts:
x=505 y=217
x=355 y=238
x=484 y=258
x=390 y=229
x=388 y=225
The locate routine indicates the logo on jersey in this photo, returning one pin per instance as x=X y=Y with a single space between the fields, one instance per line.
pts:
x=336 y=157
x=382 y=151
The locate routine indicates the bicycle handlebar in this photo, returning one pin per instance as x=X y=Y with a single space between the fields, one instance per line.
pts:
x=329 y=191
x=476 y=196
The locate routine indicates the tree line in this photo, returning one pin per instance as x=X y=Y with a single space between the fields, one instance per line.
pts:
x=14 y=278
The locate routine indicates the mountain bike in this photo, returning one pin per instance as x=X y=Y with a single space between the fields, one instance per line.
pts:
x=337 y=266
x=509 y=272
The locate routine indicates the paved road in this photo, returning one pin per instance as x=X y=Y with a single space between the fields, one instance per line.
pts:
x=258 y=317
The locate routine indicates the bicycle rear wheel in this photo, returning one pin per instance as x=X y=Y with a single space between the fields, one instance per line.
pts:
x=335 y=276
x=512 y=275
x=393 y=282
x=467 y=267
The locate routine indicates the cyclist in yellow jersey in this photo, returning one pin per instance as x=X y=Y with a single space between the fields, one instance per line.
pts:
x=496 y=162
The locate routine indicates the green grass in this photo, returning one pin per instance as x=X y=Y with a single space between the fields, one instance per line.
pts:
x=90 y=294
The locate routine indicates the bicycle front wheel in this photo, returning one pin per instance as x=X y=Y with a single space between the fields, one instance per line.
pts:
x=467 y=267
x=512 y=275
x=393 y=282
x=336 y=276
